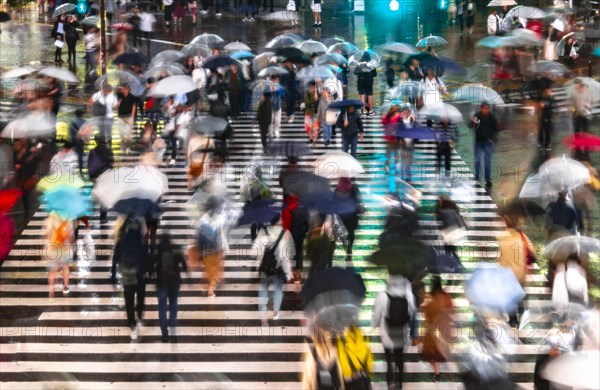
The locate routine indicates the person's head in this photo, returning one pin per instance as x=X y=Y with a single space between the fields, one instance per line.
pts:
x=233 y=68
x=124 y=89
x=494 y=11
x=21 y=144
x=484 y=108
x=351 y=109
x=562 y=195
x=344 y=184
x=325 y=93
x=312 y=87
x=414 y=62
x=547 y=92
x=137 y=68
x=100 y=139
x=66 y=144
x=389 y=62
x=275 y=78
x=150 y=81
x=106 y=88
x=430 y=70
x=405 y=112
x=366 y=57
x=79 y=112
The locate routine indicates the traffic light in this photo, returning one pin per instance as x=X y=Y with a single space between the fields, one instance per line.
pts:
x=82 y=7
x=394 y=5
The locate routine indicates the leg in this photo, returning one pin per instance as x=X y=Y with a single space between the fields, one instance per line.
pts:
x=478 y=157
x=448 y=158
x=277 y=122
x=263 y=135
x=345 y=143
x=277 y=294
x=438 y=157
x=399 y=361
x=162 y=310
x=389 y=358
x=354 y=146
x=141 y=298
x=173 y=295
x=51 y=279
x=263 y=294
x=489 y=148
x=66 y=275
x=129 y=294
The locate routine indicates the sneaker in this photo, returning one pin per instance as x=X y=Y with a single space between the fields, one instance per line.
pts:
x=140 y=324
x=134 y=334
x=436 y=377
x=316 y=25
x=488 y=183
x=275 y=316
x=66 y=290
x=277 y=134
x=127 y=151
x=319 y=24
x=103 y=221
x=245 y=19
x=165 y=338
x=252 y=20
x=172 y=162
x=291 y=120
x=203 y=12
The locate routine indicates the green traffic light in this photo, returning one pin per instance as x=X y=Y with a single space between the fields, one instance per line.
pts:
x=82 y=7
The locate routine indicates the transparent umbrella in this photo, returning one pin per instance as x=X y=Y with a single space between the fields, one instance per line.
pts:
x=314 y=73
x=477 y=93
x=281 y=16
x=283 y=40
x=552 y=68
x=332 y=58
x=210 y=40
x=398 y=47
x=576 y=35
x=592 y=86
x=559 y=250
x=576 y=370
x=261 y=61
x=173 y=85
x=312 y=47
x=364 y=61
x=196 y=49
x=272 y=70
x=405 y=90
x=59 y=73
x=440 y=112
x=432 y=40
x=160 y=71
x=31 y=124
x=344 y=48
x=236 y=46
x=18 y=72
x=524 y=37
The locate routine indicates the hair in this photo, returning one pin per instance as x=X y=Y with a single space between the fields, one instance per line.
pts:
x=391 y=111
x=436 y=285
x=484 y=104
x=444 y=202
x=366 y=57
x=79 y=112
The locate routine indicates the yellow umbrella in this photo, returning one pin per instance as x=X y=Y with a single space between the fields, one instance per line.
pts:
x=50 y=182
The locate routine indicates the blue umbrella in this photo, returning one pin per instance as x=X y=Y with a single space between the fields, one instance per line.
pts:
x=238 y=55
x=259 y=212
x=329 y=204
x=346 y=103
x=138 y=207
x=219 y=61
x=495 y=288
x=67 y=202
x=415 y=132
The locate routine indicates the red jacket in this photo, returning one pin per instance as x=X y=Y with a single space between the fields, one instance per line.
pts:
x=286 y=215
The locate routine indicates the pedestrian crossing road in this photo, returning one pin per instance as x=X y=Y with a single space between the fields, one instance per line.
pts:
x=81 y=341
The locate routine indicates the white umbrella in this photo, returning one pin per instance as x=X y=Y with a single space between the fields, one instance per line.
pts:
x=173 y=85
x=336 y=164
x=561 y=248
x=63 y=9
x=210 y=40
x=576 y=35
x=477 y=93
x=281 y=16
x=138 y=181
x=558 y=24
x=501 y=3
x=309 y=47
x=398 y=47
x=261 y=61
x=524 y=37
x=525 y=12
x=560 y=173
x=440 y=112
x=592 y=86
x=236 y=46
x=32 y=124
x=364 y=60
x=59 y=73
x=578 y=370
x=164 y=70
x=18 y=72
x=552 y=68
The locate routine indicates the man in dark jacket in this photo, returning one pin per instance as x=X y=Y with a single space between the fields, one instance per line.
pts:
x=289 y=83
x=562 y=214
x=264 y=117
x=71 y=37
x=486 y=131
x=351 y=125
x=547 y=111
x=100 y=159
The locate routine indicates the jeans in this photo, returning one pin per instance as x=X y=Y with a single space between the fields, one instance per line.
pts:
x=171 y=293
x=71 y=45
x=483 y=151
x=326 y=132
x=395 y=366
x=350 y=142
x=130 y=293
x=263 y=295
x=406 y=154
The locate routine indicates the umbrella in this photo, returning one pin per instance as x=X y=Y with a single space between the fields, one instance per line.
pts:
x=578 y=36
x=68 y=202
x=576 y=370
x=208 y=125
x=432 y=40
x=344 y=48
x=333 y=311
x=336 y=164
x=406 y=257
x=288 y=149
x=138 y=181
x=405 y=90
x=445 y=263
x=131 y=59
x=18 y=72
x=342 y=104
x=293 y=54
x=102 y=125
x=364 y=61
x=8 y=199
x=4 y=17
x=210 y=40
x=582 y=141
x=259 y=212
x=329 y=203
x=196 y=50
x=559 y=250
x=122 y=26
x=416 y=132
x=59 y=74
x=138 y=207
x=313 y=73
x=114 y=79
x=202 y=202
x=332 y=58
x=495 y=288
x=332 y=279
x=281 y=16
x=284 y=40
x=558 y=24
x=272 y=70
x=501 y=3
x=524 y=37
x=159 y=71
x=563 y=173
x=219 y=61
x=590 y=84
x=456 y=190
x=440 y=112
x=304 y=184
x=90 y=20
x=521 y=207
x=332 y=40
x=311 y=47
x=168 y=56
x=236 y=46
x=260 y=87
x=525 y=12
x=261 y=61
x=548 y=67
x=492 y=42
x=477 y=93
x=63 y=9
x=238 y=55
x=398 y=47
x=51 y=182
x=31 y=124
x=173 y=85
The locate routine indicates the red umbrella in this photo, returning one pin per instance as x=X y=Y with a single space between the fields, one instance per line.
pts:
x=122 y=26
x=7 y=231
x=583 y=141
x=8 y=199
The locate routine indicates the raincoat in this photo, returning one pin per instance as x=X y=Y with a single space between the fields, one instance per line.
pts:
x=514 y=252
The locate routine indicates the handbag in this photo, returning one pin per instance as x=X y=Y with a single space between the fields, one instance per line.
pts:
x=59 y=44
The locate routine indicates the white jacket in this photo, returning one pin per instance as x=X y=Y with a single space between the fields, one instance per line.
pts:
x=567 y=282
x=491 y=24
x=285 y=251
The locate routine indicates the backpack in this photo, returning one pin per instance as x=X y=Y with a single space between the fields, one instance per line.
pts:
x=355 y=359
x=95 y=165
x=398 y=314
x=168 y=267
x=129 y=273
x=209 y=239
x=268 y=263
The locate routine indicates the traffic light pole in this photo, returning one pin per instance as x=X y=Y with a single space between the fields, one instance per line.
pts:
x=103 y=36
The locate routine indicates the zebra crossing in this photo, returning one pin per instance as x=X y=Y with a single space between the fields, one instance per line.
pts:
x=81 y=341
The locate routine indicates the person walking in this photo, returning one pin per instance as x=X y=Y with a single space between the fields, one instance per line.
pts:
x=58 y=33
x=460 y=11
x=126 y=104
x=545 y=124
x=320 y=245
x=324 y=103
x=102 y=104
x=76 y=139
x=452 y=226
x=236 y=83
x=92 y=43
x=310 y=105
x=444 y=143
x=294 y=218
x=316 y=9
x=389 y=121
x=264 y=117
x=485 y=124
x=346 y=191
x=71 y=37
x=168 y=11
x=178 y=12
x=147 y=20
x=169 y=265
x=364 y=84
x=350 y=123
x=407 y=146
x=100 y=159
x=392 y=312
x=275 y=252
x=561 y=215
x=192 y=6
x=289 y=83
x=582 y=104
x=276 y=102
x=438 y=311
x=60 y=237
x=471 y=11
x=26 y=160
x=493 y=23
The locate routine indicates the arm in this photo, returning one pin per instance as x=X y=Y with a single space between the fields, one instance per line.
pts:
x=378 y=309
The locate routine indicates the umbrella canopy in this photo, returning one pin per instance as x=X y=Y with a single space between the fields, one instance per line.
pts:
x=239 y=55
x=442 y=64
x=364 y=61
x=592 y=86
x=346 y=103
x=31 y=124
x=332 y=279
x=314 y=73
x=196 y=49
x=406 y=257
x=445 y=263
x=293 y=54
x=329 y=203
x=564 y=172
x=168 y=56
x=131 y=58
x=281 y=16
x=288 y=149
x=63 y=9
x=332 y=40
x=576 y=370
x=582 y=141
x=398 y=47
x=333 y=311
x=59 y=73
x=68 y=202
x=4 y=17
x=344 y=48
x=102 y=125
x=306 y=184
x=501 y=3
x=521 y=208
x=332 y=58
x=432 y=40
x=259 y=212
x=236 y=46
x=90 y=20
x=260 y=87
x=138 y=207
x=524 y=37
x=525 y=12
x=159 y=71
x=18 y=72
x=116 y=78
x=51 y=182
x=122 y=26
x=210 y=40
x=440 y=112
x=477 y=94
x=495 y=288
x=311 y=47
x=173 y=85
x=8 y=199
x=405 y=90
x=208 y=125
x=492 y=42
x=552 y=68
x=219 y=61
x=262 y=61
x=284 y=40
x=416 y=132
x=272 y=70
x=140 y=181
x=559 y=250
x=576 y=35
x=336 y=164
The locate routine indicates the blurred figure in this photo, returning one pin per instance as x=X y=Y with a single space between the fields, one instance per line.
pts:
x=65 y=162
x=26 y=160
x=320 y=245
x=584 y=200
x=493 y=23
x=92 y=44
x=58 y=33
x=444 y=144
x=75 y=138
x=392 y=312
x=346 y=189
x=546 y=116
x=570 y=284
x=486 y=128
x=460 y=12
x=276 y=104
x=321 y=363
x=452 y=222
x=407 y=145
x=289 y=83
x=324 y=103
x=390 y=73
x=582 y=104
x=550 y=45
x=100 y=159
x=237 y=83
x=351 y=127
x=169 y=264
x=364 y=84
x=147 y=20
x=71 y=37
x=310 y=105
x=60 y=237
x=264 y=117
x=438 y=312
x=126 y=106
x=294 y=218
x=561 y=214
x=389 y=121
x=471 y=11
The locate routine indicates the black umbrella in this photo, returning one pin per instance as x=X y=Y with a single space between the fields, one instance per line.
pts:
x=419 y=56
x=406 y=257
x=521 y=207
x=445 y=263
x=347 y=103
x=304 y=184
x=288 y=149
x=259 y=212
x=208 y=125
x=442 y=64
x=218 y=61
x=329 y=204
x=131 y=59
x=293 y=54
x=332 y=279
x=4 y=16
x=138 y=207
